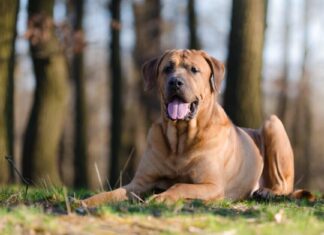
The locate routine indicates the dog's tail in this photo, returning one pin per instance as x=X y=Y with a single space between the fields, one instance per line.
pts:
x=299 y=194
x=303 y=194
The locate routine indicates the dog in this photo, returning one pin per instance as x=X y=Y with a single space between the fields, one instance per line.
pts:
x=194 y=151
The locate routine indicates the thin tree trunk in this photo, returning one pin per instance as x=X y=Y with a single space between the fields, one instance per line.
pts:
x=194 y=42
x=116 y=92
x=303 y=121
x=81 y=143
x=242 y=99
x=8 y=12
x=148 y=41
x=283 y=96
x=44 y=129
x=145 y=106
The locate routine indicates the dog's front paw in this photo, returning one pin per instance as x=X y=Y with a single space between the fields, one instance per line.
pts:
x=166 y=198
x=263 y=194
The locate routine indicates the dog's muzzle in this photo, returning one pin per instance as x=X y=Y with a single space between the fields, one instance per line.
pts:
x=178 y=107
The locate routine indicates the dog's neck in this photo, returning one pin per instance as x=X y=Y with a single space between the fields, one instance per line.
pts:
x=182 y=135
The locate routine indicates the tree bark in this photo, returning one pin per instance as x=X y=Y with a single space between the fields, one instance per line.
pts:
x=116 y=92
x=242 y=99
x=303 y=119
x=194 y=42
x=148 y=30
x=147 y=23
x=148 y=45
x=8 y=12
x=44 y=129
x=283 y=95
x=81 y=142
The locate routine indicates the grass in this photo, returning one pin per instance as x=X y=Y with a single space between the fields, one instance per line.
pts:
x=44 y=211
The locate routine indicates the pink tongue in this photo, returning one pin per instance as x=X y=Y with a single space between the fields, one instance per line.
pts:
x=177 y=109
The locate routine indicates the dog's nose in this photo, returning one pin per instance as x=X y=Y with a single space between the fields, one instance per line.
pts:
x=175 y=82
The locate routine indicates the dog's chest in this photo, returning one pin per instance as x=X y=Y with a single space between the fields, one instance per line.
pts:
x=180 y=138
x=179 y=167
x=185 y=151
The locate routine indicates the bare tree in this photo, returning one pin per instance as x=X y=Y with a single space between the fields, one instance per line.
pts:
x=303 y=119
x=194 y=42
x=145 y=105
x=148 y=45
x=80 y=143
x=44 y=129
x=242 y=99
x=116 y=91
x=283 y=95
x=8 y=12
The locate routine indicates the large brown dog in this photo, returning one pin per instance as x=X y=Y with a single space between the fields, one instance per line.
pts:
x=194 y=151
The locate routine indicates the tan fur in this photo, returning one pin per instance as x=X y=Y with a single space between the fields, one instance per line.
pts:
x=206 y=157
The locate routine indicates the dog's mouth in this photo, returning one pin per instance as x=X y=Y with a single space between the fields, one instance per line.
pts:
x=178 y=109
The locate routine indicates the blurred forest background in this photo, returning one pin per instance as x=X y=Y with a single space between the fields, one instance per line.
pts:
x=72 y=107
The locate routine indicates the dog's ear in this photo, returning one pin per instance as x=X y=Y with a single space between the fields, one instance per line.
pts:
x=150 y=73
x=218 y=72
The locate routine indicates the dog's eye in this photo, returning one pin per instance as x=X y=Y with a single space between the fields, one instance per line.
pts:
x=194 y=69
x=168 y=68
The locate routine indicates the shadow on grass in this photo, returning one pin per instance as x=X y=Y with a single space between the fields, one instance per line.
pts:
x=184 y=208
x=230 y=212
x=247 y=209
x=319 y=210
x=52 y=201
x=319 y=214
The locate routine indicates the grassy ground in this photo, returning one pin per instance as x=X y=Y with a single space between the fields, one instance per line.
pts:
x=47 y=211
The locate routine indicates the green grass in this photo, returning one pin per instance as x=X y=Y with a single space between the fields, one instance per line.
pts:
x=42 y=211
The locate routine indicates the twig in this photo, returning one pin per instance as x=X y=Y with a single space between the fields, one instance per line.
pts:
x=299 y=181
x=120 y=179
x=85 y=207
x=45 y=186
x=98 y=175
x=109 y=186
x=23 y=179
x=128 y=159
x=137 y=197
x=124 y=168
x=67 y=203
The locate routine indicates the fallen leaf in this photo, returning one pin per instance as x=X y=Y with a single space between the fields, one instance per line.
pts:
x=279 y=216
x=229 y=232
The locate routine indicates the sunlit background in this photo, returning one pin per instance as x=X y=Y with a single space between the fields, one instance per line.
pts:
x=213 y=30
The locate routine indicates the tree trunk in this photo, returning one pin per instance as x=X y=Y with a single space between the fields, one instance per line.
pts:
x=147 y=23
x=242 y=99
x=148 y=36
x=8 y=12
x=81 y=143
x=283 y=95
x=116 y=92
x=44 y=129
x=303 y=120
x=194 y=42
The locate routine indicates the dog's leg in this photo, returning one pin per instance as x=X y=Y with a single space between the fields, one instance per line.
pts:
x=190 y=191
x=131 y=190
x=119 y=194
x=144 y=180
x=278 y=173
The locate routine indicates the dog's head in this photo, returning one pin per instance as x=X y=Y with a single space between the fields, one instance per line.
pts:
x=186 y=79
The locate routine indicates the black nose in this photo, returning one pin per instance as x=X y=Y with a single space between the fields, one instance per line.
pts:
x=175 y=82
